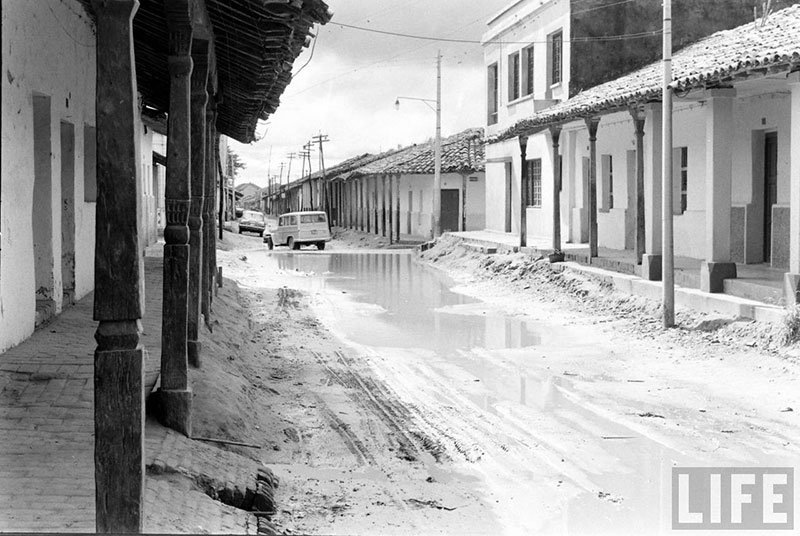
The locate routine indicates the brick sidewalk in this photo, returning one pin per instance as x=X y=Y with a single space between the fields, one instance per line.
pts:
x=47 y=425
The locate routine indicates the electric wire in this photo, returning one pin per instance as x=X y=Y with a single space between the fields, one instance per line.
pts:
x=620 y=37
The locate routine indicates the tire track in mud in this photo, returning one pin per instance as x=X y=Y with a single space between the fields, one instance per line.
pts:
x=396 y=416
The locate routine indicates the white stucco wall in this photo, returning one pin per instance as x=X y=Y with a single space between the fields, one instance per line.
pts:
x=48 y=49
x=501 y=158
x=526 y=22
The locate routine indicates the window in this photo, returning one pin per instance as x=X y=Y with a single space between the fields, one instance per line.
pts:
x=492 y=94
x=527 y=70
x=534 y=186
x=556 y=41
x=513 y=76
x=607 y=170
x=684 y=171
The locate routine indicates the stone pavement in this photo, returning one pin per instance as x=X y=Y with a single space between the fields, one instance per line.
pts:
x=47 y=445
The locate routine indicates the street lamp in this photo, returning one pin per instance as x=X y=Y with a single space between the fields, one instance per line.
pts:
x=436 y=106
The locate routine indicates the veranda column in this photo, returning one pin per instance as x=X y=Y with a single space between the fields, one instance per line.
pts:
x=638 y=116
x=719 y=151
x=397 y=208
x=210 y=202
x=175 y=393
x=119 y=409
x=651 y=260
x=362 y=212
x=792 y=277
x=592 y=124
x=383 y=205
x=558 y=255
x=199 y=99
x=523 y=190
x=391 y=210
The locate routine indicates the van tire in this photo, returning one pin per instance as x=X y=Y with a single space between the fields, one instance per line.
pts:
x=320 y=246
x=292 y=244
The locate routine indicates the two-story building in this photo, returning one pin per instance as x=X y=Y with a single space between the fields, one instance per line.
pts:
x=734 y=160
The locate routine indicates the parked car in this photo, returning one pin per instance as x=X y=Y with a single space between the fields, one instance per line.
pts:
x=297 y=228
x=252 y=221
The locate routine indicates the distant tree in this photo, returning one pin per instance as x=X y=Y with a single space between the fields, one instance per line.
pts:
x=234 y=163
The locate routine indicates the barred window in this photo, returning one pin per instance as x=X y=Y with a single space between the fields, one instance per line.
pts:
x=684 y=178
x=527 y=70
x=513 y=76
x=534 y=186
x=492 y=94
x=556 y=57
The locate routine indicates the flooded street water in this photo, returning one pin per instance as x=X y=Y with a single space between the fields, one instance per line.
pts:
x=546 y=455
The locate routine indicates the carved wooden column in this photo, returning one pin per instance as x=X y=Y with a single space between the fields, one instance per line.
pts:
x=555 y=136
x=209 y=221
x=175 y=395
x=638 y=116
x=196 y=216
x=119 y=292
x=592 y=124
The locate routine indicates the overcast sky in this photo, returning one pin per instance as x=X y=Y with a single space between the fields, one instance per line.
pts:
x=349 y=87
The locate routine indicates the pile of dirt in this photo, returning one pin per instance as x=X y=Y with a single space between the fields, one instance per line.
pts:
x=582 y=292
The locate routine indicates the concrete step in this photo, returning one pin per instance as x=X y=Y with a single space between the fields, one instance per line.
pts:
x=762 y=291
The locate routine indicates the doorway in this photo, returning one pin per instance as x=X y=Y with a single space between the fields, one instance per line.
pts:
x=450 y=210
x=42 y=213
x=68 y=212
x=770 y=188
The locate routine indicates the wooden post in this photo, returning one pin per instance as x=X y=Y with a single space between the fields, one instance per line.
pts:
x=199 y=98
x=209 y=221
x=592 y=124
x=391 y=211
x=464 y=182
x=638 y=116
x=175 y=393
x=119 y=410
x=557 y=255
x=397 y=209
x=361 y=211
x=523 y=189
x=375 y=208
x=383 y=205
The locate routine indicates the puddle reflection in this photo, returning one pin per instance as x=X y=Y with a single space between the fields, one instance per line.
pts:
x=409 y=297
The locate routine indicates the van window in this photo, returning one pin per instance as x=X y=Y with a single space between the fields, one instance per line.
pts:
x=312 y=218
x=292 y=220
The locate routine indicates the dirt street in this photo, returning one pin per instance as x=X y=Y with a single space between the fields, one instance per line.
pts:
x=569 y=425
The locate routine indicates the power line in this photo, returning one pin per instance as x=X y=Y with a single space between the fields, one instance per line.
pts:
x=620 y=37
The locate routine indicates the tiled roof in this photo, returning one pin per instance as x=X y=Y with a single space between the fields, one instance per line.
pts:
x=461 y=153
x=712 y=61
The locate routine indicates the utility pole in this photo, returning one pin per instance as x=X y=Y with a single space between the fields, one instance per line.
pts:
x=305 y=154
x=320 y=139
x=437 y=151
x=668 y=261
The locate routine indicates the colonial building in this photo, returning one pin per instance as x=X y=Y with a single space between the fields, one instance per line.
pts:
x=79 y=188
x=736 y=178
x=391 y=194
x=539 y=53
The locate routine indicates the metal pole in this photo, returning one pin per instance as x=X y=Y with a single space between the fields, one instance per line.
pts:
x=437 y=151
x=668 y=266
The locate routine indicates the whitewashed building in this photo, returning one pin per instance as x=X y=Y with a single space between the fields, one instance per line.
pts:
x=736 y=172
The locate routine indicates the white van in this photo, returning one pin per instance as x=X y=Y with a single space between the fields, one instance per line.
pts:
x=297 y=228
